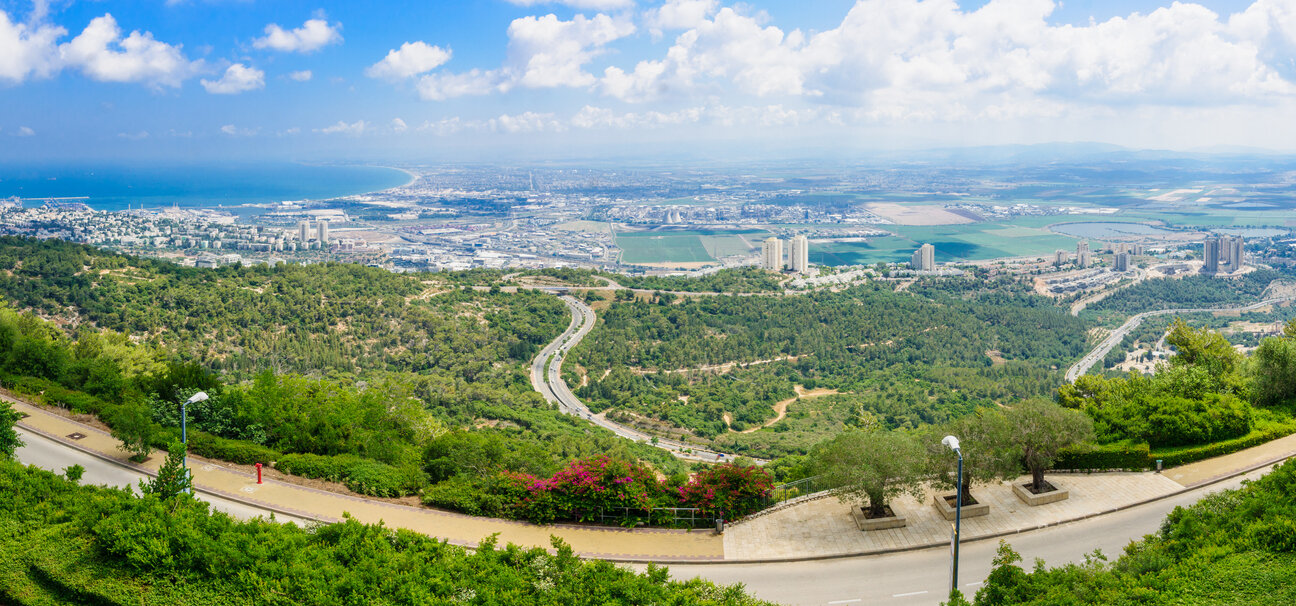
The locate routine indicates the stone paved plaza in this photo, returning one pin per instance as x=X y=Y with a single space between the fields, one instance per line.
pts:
x=824 y=527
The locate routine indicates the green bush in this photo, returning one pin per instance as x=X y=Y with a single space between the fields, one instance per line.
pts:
x=1182 y=456
x=1097 y=457
x=241 y=452
x=360 y=475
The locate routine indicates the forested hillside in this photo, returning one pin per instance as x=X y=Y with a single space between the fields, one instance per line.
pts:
x=935 y=350
x=1188 y=292
x=382 y=382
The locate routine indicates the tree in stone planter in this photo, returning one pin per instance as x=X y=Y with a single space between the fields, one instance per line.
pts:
x=983 y=437
x=873 y=466
x=1038 y=430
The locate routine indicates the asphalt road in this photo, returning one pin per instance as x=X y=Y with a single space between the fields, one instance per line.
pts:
x=546 y=378
x=48 y=454
x=1080 y=368
x=922 y=577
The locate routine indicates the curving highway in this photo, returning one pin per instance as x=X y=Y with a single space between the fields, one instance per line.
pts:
x=1093 y=357
x=546 y=378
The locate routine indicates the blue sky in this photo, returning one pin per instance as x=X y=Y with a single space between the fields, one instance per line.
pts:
x=478 y=79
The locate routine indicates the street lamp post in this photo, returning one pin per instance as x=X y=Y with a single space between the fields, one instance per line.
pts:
x=953 y=444
x=184 y=435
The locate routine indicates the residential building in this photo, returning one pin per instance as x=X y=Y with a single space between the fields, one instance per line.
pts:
x=323 y=232
x=1121 y=261
x=1082 y=253
x=303 y=231
x=1233 y=251
x=799 y=256
x=923 y=259
x=772 y=254
x=1211 y=255
x=1060 y=258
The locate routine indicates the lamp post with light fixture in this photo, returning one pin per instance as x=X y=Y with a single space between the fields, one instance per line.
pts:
x=952 y=443
x=184 y=436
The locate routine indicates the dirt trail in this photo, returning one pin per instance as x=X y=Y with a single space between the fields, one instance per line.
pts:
x=780 y=409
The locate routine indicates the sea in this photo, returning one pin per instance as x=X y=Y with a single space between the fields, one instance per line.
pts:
x=109 y=187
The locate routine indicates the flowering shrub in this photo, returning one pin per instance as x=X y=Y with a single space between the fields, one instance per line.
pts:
x=728 y=491
x=586 y=488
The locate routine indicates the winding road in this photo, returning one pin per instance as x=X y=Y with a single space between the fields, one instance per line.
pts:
x=1093 y=357
x=546 y=378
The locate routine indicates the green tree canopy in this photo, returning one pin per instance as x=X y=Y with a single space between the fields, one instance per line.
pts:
x=871 y=466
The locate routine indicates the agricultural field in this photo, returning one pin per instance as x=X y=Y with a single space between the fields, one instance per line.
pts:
x=685 y=246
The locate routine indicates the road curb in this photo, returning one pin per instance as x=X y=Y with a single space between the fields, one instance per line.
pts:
x=998 y=535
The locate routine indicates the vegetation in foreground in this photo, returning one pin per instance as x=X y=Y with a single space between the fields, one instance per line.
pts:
x=1234 y=547
x=61 y=543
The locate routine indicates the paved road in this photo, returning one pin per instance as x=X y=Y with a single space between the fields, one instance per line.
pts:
x=922 y=577
x=1080 y=368
x=546 y=378
x=53 y=456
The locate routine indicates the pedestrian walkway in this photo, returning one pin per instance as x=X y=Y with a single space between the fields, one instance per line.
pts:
x=824 y=527
x=607 y=543
x=814 y=528
x=1204 y=472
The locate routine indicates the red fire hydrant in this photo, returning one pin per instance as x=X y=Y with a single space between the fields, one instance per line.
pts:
x=258 y=473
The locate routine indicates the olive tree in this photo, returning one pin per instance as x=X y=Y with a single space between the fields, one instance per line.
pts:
x=870 y=466
x=983 y=438
x=1039 y=430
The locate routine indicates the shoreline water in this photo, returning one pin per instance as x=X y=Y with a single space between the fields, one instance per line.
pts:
x=226 y=187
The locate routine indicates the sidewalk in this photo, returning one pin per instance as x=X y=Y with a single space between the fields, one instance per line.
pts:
x=816 y=528
x=607 y=543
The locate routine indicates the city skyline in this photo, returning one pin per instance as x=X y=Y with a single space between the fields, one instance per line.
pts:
x=210 y=79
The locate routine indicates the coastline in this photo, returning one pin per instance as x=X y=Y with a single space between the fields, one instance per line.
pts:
x=412 y=177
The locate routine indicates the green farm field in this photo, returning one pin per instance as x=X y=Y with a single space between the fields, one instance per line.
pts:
x=686 y=246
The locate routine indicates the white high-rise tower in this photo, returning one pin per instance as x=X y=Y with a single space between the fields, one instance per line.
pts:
x=799 y=259
x=772 y=254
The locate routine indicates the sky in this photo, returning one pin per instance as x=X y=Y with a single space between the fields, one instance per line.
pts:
x=230 y=80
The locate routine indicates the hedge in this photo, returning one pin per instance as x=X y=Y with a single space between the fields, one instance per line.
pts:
x=1098 y=457
x=361 y=475
x=241 y=452
x=1181 y=456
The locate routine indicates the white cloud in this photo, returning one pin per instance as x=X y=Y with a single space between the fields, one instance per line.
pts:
x=300 y=76
x=137 y=136
x=440 y=86
x=234 y=131
x=28 y=49
x=411 y=59
x=313 y=35
x=102 y=54
x=543 y=52
x=238 y=78
x=549 y=52
x=26 y=131
x=905 y=59
x=354 y=129
x=680 y=14
x=596 y=5
x=398 y=125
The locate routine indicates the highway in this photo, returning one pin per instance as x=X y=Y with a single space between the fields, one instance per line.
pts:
x=1093 y=357
x=921 y=577
x=546 y=378
x=47 y=454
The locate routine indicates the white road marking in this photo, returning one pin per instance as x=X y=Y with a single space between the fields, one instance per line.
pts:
x=905 y=595
x=846 y=601
x=976 y=583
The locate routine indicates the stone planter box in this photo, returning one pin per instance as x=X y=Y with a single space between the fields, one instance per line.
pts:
x=1034 y=500
x=946 y=508
x=866 y=524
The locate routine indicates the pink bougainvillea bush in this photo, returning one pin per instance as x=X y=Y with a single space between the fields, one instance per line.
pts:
x=588 y=487
x=729 y=491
